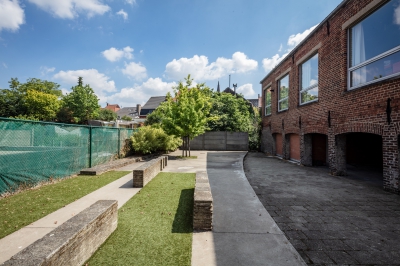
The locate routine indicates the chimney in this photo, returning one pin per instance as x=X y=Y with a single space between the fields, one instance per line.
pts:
x=107 y=104
x=138 y=109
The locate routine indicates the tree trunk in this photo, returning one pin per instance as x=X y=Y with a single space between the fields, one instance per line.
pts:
x=183 y=146
x=189 y=145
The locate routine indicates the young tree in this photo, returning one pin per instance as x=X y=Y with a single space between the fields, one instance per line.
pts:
x=186 y=112
x=82 y=102
x=42 y=106
x=126 y=118
x=107 y=115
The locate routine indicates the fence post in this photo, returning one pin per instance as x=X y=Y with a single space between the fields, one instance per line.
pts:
x=119 y=143
x=90 y=146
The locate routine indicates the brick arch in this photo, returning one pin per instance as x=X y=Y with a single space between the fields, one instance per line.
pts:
x=316 y=130
x=292 y=130
x=276 y=131
x=372 y=128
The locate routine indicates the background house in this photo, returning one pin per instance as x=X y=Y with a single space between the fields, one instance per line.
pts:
x=151 y=105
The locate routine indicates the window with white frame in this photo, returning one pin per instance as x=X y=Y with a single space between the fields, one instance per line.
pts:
x=374 y=47
x=283 y=93
x=268 y=101
x=309 y=80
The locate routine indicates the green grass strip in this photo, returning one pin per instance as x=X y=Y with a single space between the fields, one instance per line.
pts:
x=155 y=226
x=29 y=206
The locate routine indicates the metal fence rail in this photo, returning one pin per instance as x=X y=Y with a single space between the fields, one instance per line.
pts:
x=32 y=152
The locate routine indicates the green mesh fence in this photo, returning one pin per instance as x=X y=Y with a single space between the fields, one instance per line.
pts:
x=31 y=152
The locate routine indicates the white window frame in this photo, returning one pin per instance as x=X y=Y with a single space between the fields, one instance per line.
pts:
x=267 y=90
x=310 y=87
x=279 y=90
x=369 y=61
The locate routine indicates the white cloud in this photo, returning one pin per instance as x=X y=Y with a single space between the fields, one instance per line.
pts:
x=295 y=39
x=396 y=15
x=123 y=14
x=11 y=15
x=5 y=65
x=280 y=48
x=247 y=91
x=270 y=63
x=44 y=70
x=135 y=70
x=139 y=94
x=114 y=54
x=200 y=69
x=131 y=2
x=70 y=9
x=100 y=83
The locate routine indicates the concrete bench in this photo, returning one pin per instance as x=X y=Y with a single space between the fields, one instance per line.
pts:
x=73 y=242
x=146 y=172
x=203 y=203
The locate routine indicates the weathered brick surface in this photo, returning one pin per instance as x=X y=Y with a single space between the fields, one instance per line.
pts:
x=203 y=203
x=360 y=110
x=73 y=242
x=146 y=172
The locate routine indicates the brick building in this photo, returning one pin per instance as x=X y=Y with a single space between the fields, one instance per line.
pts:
x=334 y=100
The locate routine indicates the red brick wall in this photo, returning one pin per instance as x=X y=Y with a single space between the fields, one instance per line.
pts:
x=358 y=110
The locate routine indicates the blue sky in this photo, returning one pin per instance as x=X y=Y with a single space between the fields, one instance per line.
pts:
x=129 y=50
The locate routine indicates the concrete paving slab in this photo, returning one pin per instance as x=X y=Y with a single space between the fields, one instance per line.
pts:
x=243 y=231
x=121 y=190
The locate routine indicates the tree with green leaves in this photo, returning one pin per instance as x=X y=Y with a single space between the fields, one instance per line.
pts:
x=126 y=118
x=41 y=105
x=186 y=112
x=39 y=99
x=82 y=102
x=107 y=115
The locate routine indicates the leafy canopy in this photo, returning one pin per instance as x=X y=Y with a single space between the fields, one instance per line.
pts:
x=107 y=115
x=82 y=102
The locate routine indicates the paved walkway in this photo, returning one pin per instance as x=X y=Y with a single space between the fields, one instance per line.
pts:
x=243 y=231
x=329 y=220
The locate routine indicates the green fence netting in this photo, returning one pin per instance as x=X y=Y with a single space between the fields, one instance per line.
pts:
x=32 y=152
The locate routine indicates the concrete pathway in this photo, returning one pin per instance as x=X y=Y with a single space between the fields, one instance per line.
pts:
x=243 y=231
x=330 y=220
x=121 y=190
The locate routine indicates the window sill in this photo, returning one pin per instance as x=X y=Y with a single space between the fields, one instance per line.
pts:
x=372 y=83
x=282 y=111
x=308 y=103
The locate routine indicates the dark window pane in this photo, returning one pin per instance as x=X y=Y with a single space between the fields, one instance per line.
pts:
x=378 y=69
x=309 y=72
x=376 y=34
x=267 y=97
x=268 y=110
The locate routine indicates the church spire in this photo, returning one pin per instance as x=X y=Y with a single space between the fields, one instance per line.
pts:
x=218 y=90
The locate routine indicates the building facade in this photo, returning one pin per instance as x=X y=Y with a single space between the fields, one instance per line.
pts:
x=334 y=100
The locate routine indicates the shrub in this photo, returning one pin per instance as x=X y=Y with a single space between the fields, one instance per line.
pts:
x=149 y=139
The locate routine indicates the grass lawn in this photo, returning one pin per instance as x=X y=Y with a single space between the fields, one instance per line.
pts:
x=155 y=226
x=28 y=206
x=186 y=157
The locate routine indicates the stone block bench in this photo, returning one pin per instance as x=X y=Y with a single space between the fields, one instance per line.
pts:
x=146 y=172
x=73 y=242
x=203 y=203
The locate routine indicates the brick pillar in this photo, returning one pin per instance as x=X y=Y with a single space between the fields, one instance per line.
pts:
x=338 y=159
x=306 y=149
x=286 y=146
x=390 y=159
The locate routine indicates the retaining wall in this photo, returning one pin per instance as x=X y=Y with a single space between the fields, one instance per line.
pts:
x=221 y=141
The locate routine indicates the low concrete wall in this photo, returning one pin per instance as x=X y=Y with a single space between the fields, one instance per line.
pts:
x=221 y=141
x=73 y=242
x=146 y=172
x=203 y=203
